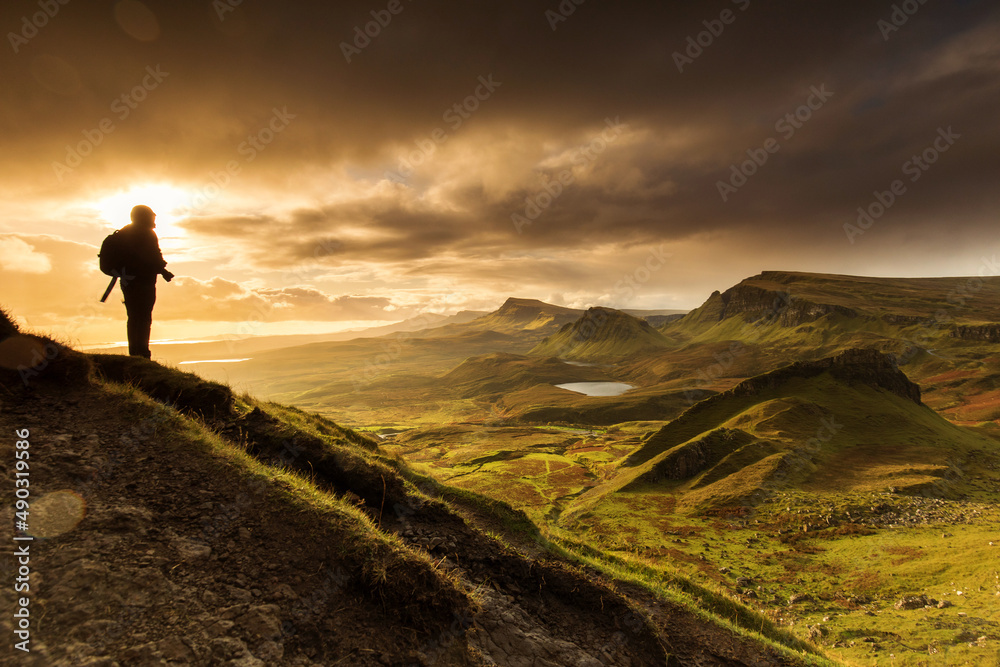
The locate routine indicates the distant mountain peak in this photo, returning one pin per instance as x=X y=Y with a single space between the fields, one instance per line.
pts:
x=514 y=301
x=518 y=305
x=601 y=332
x=518 y=314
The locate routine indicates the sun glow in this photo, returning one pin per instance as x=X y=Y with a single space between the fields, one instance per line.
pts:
x=167 y=201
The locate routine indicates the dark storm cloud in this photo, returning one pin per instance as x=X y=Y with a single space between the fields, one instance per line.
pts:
x=366 y=231
x=891 y=92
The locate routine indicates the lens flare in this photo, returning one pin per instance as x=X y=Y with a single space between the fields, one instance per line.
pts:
x=57 y=513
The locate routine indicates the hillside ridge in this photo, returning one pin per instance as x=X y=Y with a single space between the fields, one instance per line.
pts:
x=794 y=298
x=856 y=366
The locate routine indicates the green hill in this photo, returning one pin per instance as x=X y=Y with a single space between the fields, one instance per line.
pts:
x=601 y=334
x=849 y=423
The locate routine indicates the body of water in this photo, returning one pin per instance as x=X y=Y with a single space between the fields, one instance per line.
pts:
x=597 y=388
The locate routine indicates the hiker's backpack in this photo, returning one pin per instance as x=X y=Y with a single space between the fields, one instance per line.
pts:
x=112 y=258
x=112 y=254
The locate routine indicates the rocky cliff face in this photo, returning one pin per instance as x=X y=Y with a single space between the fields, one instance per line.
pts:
x=865 y=366
x=987 y=333
x=790 y=298
x=904 y=320
x=756 y=303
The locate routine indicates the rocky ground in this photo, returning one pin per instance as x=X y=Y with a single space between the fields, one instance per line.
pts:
x=174 y=561
x=878 y=510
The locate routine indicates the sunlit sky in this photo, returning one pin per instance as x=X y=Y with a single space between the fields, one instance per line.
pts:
x=306 y=179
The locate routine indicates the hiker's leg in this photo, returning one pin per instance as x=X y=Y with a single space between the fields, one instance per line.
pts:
x=139 y=301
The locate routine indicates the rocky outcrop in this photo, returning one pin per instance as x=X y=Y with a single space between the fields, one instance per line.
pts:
x=763 y=305
x=986 y=333
x=756 y=303
x=905 y=320
x=865 y=366
x=915 y=602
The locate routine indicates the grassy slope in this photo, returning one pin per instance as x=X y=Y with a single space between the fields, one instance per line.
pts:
x=804 y=537
x=7 y=325
x=844 y=438
x=147 y=473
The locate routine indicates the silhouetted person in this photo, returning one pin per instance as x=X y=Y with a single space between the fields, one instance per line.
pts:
x=143 y=261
